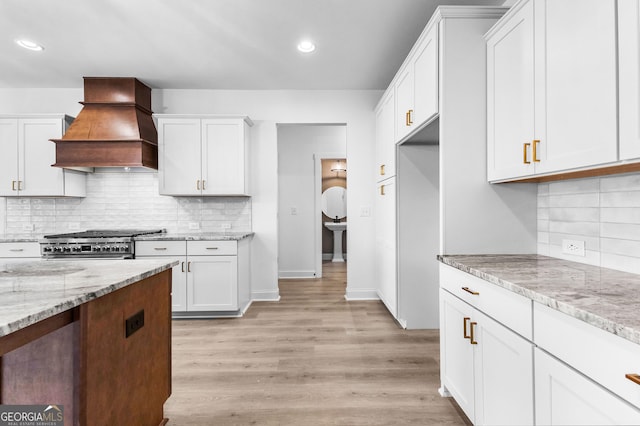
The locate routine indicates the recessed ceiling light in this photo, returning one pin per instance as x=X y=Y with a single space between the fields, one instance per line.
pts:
x=29 y=45
x=306 y=46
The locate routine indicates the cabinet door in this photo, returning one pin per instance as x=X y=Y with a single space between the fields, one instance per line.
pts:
x=510 y=97
x=576 y=83
x=223 y=157
x=179 y=165
x=629 y=74
x=456 y=351
x=178 y=281
x=385 y=138
x=566 y=397
x=9 y=157
x=503 y=374
x=404 y=103
x=386 y=262
x=37 y=154
x=212 y=283
x=425 y=74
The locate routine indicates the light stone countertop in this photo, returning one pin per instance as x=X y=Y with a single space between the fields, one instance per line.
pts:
x=10 y=238
x=196 y=236
x=605 y=298
x=35 y=290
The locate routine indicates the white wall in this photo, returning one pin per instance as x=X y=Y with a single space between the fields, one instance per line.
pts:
x=297 y=146
x=267 y=109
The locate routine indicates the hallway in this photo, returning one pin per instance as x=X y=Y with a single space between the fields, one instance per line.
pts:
x=310 y=359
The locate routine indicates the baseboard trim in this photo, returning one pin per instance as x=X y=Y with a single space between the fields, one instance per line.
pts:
x=361 y=294
x=265 y=296
x=289 y=275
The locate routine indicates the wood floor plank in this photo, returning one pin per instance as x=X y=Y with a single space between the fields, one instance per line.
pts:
x=312 y=358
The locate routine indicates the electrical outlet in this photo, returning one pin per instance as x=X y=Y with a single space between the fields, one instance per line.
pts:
x=573 y=247
x=365 y=211
x=194 y=225
x=226 y=226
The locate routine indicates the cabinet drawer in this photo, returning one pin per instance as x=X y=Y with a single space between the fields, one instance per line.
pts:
x=161 y=248
x=598 y=354
x=212 y=248
x=26 y=249
x=506 y=307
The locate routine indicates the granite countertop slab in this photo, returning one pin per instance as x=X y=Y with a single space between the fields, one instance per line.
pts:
x=39 y=289
x=605 y=298
x=199 y=236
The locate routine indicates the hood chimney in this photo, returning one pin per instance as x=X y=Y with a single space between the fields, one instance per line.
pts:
x=114 y=128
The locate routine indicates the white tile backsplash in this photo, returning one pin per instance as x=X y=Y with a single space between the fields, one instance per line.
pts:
x=604 y=212
x=123 y=200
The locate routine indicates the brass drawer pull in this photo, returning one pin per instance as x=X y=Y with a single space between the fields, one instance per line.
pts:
x=471 y=328
x=212 y=248
x=381 y=189
x=18 y=249
x=635 y=378
x=381 y=169
x=468 y=290
x=160 y=248
x=465 y=320
x=524 y=153
x=535 y=151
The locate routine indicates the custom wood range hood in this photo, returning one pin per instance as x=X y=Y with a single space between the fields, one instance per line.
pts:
x=114 y=128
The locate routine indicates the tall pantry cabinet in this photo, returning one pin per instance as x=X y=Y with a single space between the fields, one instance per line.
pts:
x=442 y=203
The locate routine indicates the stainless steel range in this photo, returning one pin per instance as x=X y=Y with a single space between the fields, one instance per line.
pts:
x=93 y=244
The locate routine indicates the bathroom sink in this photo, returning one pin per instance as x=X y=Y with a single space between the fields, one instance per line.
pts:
x=336 y=226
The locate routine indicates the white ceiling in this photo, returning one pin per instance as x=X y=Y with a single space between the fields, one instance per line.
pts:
x=211 y=44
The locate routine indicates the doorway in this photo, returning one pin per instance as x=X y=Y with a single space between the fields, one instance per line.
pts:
x=301 y=149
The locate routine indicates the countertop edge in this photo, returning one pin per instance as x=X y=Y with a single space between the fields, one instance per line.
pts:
x=590 y=318
x=79 y=300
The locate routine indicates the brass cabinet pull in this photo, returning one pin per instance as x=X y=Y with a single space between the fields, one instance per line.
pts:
x=188 y=266
x=406 y=118
x=212 y=248
x=381 y=169
x=635 y=378
x=535 y=151
x=465 y=320
x=204 y=184
x=13 y=185
x=198 y=184
x=410 y=119
x=524 y=153
x=20 y=185
x=182 y=266
x=468 y=290
x=381 y=189
x=159 y=248
x=472 y=340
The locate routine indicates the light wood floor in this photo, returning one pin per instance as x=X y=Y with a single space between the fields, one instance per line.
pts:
x=310 y=359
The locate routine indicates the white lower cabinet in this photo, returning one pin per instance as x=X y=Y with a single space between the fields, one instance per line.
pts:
x=212 y=278
x=386 y=264
x=485 y=366
x=27 y=250
x=566 y=397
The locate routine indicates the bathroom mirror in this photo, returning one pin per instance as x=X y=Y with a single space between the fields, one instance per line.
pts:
x=334 y=202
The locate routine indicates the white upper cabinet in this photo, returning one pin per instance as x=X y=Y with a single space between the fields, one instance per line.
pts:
x=552 y=96
x=25 y=166
x=385 y=138
x=416 y=87
x=629 y=69
x=203 y=155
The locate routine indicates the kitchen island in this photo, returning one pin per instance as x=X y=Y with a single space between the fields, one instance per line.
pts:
x=93 y=336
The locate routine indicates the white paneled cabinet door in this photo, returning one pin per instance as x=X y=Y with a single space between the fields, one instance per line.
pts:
x=385 y=138
x=503 y=374
x=179 y=156
x=36 y=154
x=566 y=397
x=510 y=97
x=223 y=157
x=386 y=261
x=212 y=283
x=404 y=103
x=576 y=84
x=629 y=74
x=425 y=74
x=9 y=157
x=456 y=351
